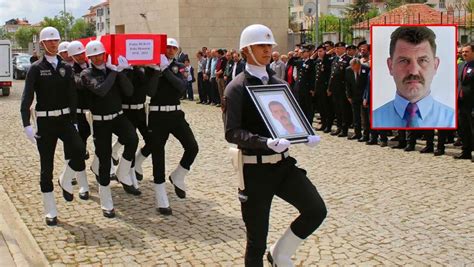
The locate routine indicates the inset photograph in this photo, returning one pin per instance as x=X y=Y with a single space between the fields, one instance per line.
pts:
x=413 y=77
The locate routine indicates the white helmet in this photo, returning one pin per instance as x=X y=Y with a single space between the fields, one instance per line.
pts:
x=63 y=47
x=49 y=33
x=256 y=34
x=94 y=48
x=172 y=42
x=75 y=48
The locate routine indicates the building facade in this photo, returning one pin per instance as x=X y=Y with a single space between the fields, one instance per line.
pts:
x=198 y=23
x=99 y=15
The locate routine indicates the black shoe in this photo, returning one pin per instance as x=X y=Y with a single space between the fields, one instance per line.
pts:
x=463 y=155
x=109 y=213
x=114 y=177
x=165 y=211
x=131 y=190
x=439 y=152
x=218 y=105
x=139 y=176
x=342 y=134
x=355 y=137
x=371 y=142
x=270 y=258
x=51 y=221
x=458 y=142
x=396 y=138
x=337 y=132
x=383 y=144
x=115 y=161
x=74 y=181
x=363 y=139
x=87 y=156
x=84 y=196
x=67 y=196
x=400 y=145
x=427 y=149
x=410 y=147
x=180 y=193
x=327 y=130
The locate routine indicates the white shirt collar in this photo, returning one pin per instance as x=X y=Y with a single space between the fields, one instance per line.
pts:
x=256 y=71
x=52 y=59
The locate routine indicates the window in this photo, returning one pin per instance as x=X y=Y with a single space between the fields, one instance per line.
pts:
x=300 y=2
x=293 y=15
x=301 y=14
x=442 y=4
x=98 y=26
x=101 y=26
x=100 y=12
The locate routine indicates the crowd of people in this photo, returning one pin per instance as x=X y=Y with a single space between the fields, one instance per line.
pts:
x=333 y=80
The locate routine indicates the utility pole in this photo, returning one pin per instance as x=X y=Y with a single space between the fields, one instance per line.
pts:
x=316 y=26
x=65 y=20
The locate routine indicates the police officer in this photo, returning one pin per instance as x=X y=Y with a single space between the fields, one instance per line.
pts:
x=52 y=82
x=337 y=88
x=267 y=169
x=306 y=77
x=107 y=84
x=63 y=53
x=323 y=101
x=76 y=51
x=165 y=118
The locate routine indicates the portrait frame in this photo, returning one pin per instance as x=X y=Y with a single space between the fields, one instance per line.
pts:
x=280 y=95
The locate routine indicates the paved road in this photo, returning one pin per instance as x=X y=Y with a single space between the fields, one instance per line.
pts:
x=385 y=206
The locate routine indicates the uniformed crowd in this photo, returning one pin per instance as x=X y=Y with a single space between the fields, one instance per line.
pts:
x=79 y=93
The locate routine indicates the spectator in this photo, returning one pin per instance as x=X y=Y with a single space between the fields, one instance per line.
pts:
x=278 y=66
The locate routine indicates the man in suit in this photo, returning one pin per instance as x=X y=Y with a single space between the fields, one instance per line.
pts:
x=337 y=89
x=356 y=81
x=277 y=65
x=466 y=100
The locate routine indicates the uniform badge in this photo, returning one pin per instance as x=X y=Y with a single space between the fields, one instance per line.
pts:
x=62 y=72
x=363 y=71
x=469 y=70
x=175 y=69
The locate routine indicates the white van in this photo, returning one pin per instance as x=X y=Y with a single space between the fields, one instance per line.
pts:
x=5 y=67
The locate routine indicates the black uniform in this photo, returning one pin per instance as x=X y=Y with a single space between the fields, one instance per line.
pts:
x=169 y=119
x=337 y=87
x=133 y=106
x=305 y=84
x=83 y=104
x=245 y=127
x=466 y=104
x=355 y=90
x=107 y=87
x=56 y=115
x=323 y=101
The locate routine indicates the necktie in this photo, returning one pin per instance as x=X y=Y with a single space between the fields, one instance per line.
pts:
x=412 y=116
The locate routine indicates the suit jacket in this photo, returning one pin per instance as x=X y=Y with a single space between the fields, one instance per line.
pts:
x=355 y=89
x=182 y=57
x=466 y=83
x=279 y=68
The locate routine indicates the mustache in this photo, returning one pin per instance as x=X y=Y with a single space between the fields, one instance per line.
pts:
x=412 y=77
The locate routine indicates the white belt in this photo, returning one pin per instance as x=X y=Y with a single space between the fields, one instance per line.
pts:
x=82 y=110
x=132 y=106
x=52 y=113
x=165 y=108
x=106 y=117
x=265 y=159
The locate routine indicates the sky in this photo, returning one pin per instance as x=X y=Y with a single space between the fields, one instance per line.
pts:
x=35 y=10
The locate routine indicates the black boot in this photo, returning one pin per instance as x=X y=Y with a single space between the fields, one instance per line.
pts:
x=464 y=155
x=131 y=190
x=67 y=196
x=165 y=211
x=401 y=145
x=84 y=196
x=109 y=213
x=51 y=221
x=139 y=176
x=439 y=151
x=410 y=147
x=180 y=193
x=427 y=149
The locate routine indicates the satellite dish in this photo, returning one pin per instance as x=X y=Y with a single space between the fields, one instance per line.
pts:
x=309 y=9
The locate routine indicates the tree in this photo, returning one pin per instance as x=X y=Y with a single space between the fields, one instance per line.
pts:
x=61 y=22
x=358 y=10
x=81 y=29
x=5 y=34
x=24 y=36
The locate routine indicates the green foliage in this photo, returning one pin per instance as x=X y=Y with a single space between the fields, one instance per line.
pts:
x=62 y=22
x=4 y=35
x=81 y=29
x=24 y=35
x=358 y=10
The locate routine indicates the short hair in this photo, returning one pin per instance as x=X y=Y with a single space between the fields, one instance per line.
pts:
x=220 y=51
x=340 y=44
x=321 y=47
x=330 y=43
x=414 y=35
x=471 y=45
x=275 y=103
x=351 y=47
x=361 y=43
x=200 y=53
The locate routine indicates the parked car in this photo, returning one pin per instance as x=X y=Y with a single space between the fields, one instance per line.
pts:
x=21 y=65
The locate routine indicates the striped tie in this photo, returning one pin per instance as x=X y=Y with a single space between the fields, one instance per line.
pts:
x=411 y=115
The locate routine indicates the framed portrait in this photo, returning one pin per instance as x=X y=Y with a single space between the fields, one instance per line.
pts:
x=280 y=112
x=413 y=88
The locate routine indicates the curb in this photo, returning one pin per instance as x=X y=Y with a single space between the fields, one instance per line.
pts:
x=22 y=245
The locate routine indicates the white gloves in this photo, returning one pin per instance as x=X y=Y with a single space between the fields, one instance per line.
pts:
x=30 y=134
x=313 y=140
x=164 y=62
x=109 y=64
x=123 y=64
x=278 y=145
x=76 y=127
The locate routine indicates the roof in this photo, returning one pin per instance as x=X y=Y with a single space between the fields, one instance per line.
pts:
x=406 y=14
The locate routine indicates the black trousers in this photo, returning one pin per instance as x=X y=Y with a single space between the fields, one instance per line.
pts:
x=161 y=125
x=365 y=121
x=306 y=104
x=138 y=119
x=443 y=135
x=103 y=130
x=200 y=85
x=214 y=92
x=325 y=109
x=416 y=134
x=465 y=127
x=343 y=111
x=50 y=129
x=357 y=116
x=84 y=127
x=290 y=183
x=206 y=89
